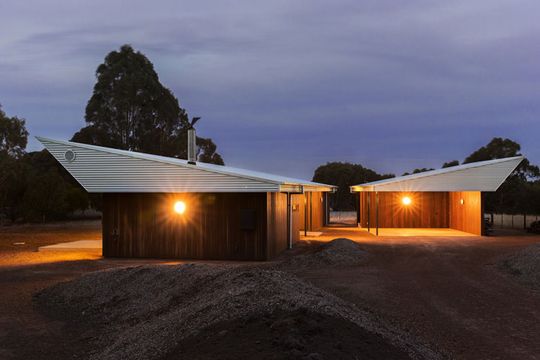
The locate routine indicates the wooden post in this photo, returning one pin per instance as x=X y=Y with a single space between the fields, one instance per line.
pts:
x=326 y=210
x=305 y=214
x=289 y=221
x=368 y=211
x=311 y=211
x=377 y=213
x=358 y=207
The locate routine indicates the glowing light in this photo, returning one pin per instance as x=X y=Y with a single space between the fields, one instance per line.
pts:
x=179 y=207
x=461 y=201
x=406 y=200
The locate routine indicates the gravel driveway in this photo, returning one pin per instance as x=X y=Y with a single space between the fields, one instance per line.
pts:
x=447 y=292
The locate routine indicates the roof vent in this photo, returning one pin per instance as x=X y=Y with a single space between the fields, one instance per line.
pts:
x=192 y=146
x=70 y=155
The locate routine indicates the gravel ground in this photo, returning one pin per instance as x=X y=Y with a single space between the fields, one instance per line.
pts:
x=285 y=335
x=338 y=252
x=524 y=265
x=144 y=312
x=444 y=292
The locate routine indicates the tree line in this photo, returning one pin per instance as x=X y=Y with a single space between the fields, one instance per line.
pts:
x=519 y=194
x=129 y=109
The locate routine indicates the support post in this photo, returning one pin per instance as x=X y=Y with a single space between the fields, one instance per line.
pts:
x=377 y=213
x=311 y=211
x=358 y=207
x=326 y=209
x=305 y=214
x=482 y=220
x=368 y=211
x=289 y=221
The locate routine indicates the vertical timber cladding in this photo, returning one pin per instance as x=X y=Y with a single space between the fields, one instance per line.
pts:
x=277 y=224
x=466 y=211
x=145 y=225
x=308 y=208
x=426 y=210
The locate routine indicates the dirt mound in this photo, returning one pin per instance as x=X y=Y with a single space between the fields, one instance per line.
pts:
x=286 y=335
x=338 y=252
x=524 y=265
x=145 y=312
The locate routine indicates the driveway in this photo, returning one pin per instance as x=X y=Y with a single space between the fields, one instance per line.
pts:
x=444 y=290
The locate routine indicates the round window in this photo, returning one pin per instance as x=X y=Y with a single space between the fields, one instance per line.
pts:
x=69 y=155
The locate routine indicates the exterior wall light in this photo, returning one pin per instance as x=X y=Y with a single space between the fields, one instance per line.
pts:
x=461 y=201
x=179 y=207
x=406 y=200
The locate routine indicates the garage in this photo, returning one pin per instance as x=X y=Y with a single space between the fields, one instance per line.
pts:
x=445 y=202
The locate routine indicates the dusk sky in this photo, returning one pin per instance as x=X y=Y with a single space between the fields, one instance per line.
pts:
x=284 y=86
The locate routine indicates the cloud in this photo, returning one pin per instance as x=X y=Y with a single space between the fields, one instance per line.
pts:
x=394 y=85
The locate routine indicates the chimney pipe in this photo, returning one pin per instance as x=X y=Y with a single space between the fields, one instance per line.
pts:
x=192 y=147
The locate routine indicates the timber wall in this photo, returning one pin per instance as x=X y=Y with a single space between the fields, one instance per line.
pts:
x=312 y=204
x=277 y=224
x=144 y=225
x=427 y=210
x=467 y=216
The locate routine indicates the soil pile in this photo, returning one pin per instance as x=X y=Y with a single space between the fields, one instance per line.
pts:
x=155 y=312
x=286 y=335
x=524 y=265
x=338 y=252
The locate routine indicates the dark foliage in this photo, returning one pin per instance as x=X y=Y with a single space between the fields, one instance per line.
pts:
x=450 y=164
x=345 y=175
x=416 y=171
x=130 y=109
x=13 y=135
x=33 y=186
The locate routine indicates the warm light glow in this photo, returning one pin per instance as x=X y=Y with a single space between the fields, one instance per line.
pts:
x=406 y=200
x=179 y=207
x=461 y=201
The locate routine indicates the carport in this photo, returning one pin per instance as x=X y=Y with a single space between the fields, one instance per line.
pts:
x=444 y=202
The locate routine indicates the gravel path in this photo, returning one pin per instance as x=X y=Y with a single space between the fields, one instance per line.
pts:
x=523 y=265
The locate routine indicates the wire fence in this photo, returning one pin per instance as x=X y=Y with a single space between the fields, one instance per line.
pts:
x=512 y=221
x=342 y=217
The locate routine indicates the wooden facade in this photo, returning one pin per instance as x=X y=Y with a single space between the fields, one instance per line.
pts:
x=224 y=226
x=310 y=212
x=426 y=210
x=466 y=211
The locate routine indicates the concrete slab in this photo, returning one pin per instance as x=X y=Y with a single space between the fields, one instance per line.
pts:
x=80 y=245
x=419 y=232
x=311 y=233
x=387 y=235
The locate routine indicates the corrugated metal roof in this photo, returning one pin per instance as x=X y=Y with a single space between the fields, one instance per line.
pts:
x=101 y=169
x=478 y=176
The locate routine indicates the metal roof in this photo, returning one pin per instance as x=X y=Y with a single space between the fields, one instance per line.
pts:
x=101 y=169
x=477 y=176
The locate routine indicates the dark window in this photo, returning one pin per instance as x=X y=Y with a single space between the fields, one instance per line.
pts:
x=248 y=219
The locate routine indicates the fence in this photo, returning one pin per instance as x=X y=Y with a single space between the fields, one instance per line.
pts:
x=509 y=221
x=342 y=217
x=501 y=221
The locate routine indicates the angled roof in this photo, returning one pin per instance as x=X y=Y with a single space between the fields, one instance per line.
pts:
x=100 y=169
x=477 y=176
